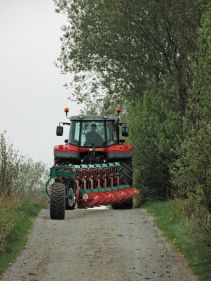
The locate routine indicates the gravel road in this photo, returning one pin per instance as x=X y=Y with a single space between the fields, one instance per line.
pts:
x=98 y=245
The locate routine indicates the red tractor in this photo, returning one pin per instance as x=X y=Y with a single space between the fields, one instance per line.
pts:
x=93 y=167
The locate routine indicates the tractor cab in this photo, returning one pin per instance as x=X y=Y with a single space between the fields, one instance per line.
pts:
x=92 y=139
x=92 y=131
x=89 y=132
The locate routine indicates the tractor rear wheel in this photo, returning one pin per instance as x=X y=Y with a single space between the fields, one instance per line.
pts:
x=126 y=172
x=57 y=201
x=126 y=177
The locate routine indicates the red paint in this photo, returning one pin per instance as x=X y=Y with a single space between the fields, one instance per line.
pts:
x=108 y=197
x=119 y=148
x=74 y=148
x=66 y=148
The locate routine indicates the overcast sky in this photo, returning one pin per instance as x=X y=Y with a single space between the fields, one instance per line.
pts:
x=32 y=97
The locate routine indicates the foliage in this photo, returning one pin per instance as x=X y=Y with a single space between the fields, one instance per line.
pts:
x=8 y=216
x=19 y=175
x=155 y=131
x=120 y=45
x=191 y=172
x=14 y=228
x=21 y=179
x=9 y=166
x=187 y=236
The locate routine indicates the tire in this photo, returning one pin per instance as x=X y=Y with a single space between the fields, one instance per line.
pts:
x=123 y=205
x=126 y=172
x=126 y=177
x=57 y=201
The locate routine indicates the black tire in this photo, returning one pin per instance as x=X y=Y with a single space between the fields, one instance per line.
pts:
x=57 y=201
x=126 y=177
x=123 y=205
x=126 y=172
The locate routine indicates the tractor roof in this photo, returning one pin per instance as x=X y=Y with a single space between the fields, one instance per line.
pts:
x=92 y=118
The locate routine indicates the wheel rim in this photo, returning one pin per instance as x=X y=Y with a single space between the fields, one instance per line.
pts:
x=71 y=197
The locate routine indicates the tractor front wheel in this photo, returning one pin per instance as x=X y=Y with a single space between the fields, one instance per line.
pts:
x=57 y=201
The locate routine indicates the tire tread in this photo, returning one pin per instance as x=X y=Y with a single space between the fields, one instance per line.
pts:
x=57 y=201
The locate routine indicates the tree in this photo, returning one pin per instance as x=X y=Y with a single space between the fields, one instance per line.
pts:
x=191 y=173
x=127 y=43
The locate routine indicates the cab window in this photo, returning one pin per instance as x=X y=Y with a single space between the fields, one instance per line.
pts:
x=74 y=135
x=93 y=133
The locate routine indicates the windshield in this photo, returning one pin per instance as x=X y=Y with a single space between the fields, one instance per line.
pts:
x=89 y=133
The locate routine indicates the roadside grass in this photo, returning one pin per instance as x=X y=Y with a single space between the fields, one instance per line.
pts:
x=184 y=236
x=16 y=237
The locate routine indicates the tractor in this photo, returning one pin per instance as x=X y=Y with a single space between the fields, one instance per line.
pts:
x=93 y=167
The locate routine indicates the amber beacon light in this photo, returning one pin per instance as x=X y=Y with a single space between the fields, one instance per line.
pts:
x=118 y=109
x=66 y=110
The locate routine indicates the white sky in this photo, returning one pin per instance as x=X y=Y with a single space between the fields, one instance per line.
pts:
x=32 y=97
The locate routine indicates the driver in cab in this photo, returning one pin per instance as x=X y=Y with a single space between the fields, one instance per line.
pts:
x=93 y=138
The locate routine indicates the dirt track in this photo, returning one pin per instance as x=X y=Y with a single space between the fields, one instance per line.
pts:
x=98 y=245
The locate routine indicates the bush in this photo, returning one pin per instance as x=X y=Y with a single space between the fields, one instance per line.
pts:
x=20 y=176
x=184 y=233
x=156 y=129
x=191 y=172
x=15 y=222
x=191 y=176
x=8 y=215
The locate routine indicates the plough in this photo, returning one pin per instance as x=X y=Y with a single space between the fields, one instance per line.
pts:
x=96 y=184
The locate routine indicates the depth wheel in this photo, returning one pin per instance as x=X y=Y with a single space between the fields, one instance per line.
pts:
x=57 y=201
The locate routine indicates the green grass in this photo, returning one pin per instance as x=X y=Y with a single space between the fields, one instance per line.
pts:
x=16 y=239
x=184 y=236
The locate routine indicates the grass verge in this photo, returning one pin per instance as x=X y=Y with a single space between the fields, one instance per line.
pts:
x=183 y=234
x=17 y=237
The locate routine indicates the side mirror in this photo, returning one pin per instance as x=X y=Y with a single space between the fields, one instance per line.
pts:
x=59 y=131
x=125 y=131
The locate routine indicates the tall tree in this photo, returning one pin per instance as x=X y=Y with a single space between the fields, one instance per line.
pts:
x=127 y=43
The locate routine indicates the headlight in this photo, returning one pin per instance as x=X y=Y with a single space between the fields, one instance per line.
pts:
x=85 y=197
